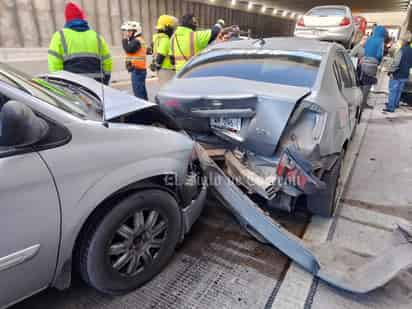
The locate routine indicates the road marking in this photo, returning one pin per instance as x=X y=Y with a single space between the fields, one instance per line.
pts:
x=298 y=283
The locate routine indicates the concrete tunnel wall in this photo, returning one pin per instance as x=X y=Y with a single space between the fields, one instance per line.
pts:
x=31 y=23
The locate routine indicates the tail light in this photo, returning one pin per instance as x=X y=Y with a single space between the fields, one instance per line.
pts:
x=345 y=22
x=293 y=170
x=301 y=22
x=291 y=173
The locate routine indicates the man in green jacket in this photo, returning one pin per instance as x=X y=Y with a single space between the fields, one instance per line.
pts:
x=186 y=42
x=79 y=49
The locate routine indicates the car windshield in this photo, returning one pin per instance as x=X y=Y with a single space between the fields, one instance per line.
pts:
x=324 y=12
x=45 y=91
x=292 y=70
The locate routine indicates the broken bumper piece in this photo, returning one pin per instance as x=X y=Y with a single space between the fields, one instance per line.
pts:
x=292 y=175
x=338 y=266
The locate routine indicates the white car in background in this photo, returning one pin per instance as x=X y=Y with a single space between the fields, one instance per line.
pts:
x=329 y=23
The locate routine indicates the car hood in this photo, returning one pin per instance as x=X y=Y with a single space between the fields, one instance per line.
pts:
x=116 y=102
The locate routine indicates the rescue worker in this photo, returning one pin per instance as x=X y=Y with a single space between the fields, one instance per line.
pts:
x=78 y=49
x=399 y=74
x=186 y=42
x=166 y=25
x=136 y=50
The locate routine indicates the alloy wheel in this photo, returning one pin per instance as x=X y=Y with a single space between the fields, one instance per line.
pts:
x=137 y=242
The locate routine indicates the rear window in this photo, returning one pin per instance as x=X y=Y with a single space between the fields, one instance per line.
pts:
x=323 y=12
x=282 y=69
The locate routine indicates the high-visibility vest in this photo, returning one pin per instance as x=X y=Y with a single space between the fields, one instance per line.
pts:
x=183 y=46
x=161 y=46
x=83 y=52
x=138 y=58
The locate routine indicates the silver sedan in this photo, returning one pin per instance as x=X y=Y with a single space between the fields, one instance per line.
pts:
x=329 y=23
x=283 y=109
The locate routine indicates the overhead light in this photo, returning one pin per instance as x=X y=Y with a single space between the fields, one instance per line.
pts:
x=250 y=6
x=233 y=2
x=275 y=12
x=285 y=13
x=263 y=8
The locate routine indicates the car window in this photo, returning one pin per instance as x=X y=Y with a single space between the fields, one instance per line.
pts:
x=344 y=71
x=351 y=67
x=337 y=75
x=281 y=69
x=323 y=12
x=44 y=91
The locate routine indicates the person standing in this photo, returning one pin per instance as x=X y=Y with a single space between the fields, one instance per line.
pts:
x=373 y=55
x=136 y=51
x=186 y=42
x=78 y=49
x=399 y=74
x=166 y=25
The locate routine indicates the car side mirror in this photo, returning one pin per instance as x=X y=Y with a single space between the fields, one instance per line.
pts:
x=20 y=127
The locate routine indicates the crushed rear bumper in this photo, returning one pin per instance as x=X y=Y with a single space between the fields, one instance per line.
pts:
x=336 y=265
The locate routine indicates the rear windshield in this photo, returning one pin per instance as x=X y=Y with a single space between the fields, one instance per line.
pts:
x=323 y=12
x=282 y=69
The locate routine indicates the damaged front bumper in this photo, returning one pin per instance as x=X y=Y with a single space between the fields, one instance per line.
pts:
x=336 y=265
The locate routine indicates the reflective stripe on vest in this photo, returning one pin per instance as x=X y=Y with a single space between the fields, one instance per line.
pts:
x=177 y=50
x=138 y=58
x=67 y=56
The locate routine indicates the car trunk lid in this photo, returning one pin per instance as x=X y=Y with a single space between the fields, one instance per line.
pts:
x=232 y=112
x=327 y=17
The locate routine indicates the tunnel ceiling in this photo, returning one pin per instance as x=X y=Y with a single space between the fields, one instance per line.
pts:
x=356 y=5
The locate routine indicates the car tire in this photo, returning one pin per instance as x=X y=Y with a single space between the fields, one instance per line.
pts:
x=142 y=229
x=325 y=202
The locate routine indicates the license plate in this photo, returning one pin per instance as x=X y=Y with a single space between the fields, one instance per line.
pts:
x=232 y=124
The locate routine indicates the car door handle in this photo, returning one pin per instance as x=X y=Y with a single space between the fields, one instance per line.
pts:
x=19 y=257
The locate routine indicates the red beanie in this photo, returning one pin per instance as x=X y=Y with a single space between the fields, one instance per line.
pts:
x=73 y=11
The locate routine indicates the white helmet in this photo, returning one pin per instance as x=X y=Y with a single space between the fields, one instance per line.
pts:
x=132 y=26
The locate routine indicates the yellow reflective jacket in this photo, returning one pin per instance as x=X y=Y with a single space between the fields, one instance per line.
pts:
x=83 y=52
x=186 y=43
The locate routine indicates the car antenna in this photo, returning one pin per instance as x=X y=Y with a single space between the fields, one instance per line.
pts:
x=99 y=47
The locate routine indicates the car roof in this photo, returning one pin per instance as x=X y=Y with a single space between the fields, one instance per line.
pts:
x=331 y=7
x=278 y=43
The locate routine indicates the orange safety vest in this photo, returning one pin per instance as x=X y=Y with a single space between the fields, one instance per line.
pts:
x=138 y=58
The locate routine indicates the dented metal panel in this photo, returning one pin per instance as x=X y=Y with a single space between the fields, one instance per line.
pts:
x=336 y=265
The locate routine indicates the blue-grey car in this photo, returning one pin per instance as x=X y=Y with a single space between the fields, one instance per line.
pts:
x=282 y=110
x=104 y=186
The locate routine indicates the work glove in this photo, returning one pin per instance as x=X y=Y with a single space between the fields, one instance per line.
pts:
x=106 y=78
x=154 y=67
x=220 y=23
